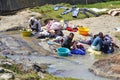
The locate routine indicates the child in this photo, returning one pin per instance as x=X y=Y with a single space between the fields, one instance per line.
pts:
x=68 y=41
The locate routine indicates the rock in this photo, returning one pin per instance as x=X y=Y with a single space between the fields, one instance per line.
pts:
x=1 y=70
x=40 y=68
x=108 y=67
x=7 y=76
x=41 y=75
x=7 y=63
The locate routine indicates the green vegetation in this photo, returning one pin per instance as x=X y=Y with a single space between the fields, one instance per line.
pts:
x=48 y=12
x=29 y=76
x=50 y=77
x=34 y=76
x=15 y=68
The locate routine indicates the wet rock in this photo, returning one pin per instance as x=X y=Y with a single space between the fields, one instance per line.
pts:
x=109 y=67
x=15 y=28
x=40 y=68
x=7 y=76
x=1 y=70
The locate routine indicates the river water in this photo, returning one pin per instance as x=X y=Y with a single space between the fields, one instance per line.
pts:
x=76 y=66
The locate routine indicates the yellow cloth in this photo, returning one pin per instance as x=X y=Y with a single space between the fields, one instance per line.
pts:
x=91 y=51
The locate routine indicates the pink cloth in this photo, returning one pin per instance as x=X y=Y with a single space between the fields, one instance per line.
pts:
x=54 y=25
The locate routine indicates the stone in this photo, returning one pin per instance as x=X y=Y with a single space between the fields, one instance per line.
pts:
x=40 y=68
x=41 y=75
x=7 y=76
x=108 y=67
x=7 y=63
x=1 y=70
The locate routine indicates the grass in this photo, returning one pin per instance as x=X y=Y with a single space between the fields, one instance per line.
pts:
x=15 y=68
x=34 y=76
x=48 y=12
x=50 y=77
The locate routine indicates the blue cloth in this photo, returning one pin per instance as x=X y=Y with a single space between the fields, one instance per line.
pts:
x=75 y=12
x=78 y=52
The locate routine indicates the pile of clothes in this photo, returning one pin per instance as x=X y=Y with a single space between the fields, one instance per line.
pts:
x=114 y=12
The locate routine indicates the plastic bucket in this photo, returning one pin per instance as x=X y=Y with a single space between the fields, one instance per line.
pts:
x=83 y=31
x=63 y=51
x=26 y=33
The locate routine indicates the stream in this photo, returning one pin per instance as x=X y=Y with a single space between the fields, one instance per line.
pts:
x=76 y=66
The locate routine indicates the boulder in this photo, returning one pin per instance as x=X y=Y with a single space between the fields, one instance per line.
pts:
x=1 y=70
x=7 y=76
x=108 y=67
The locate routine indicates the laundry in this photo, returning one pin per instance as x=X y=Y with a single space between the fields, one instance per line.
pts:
x=75 y=11
x=114 y=12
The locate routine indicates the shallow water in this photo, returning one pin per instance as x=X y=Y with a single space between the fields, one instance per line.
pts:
x=75 y=67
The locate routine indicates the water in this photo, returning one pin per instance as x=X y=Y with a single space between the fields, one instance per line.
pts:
x=75 y=66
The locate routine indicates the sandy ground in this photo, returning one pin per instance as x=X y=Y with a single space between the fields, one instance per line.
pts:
x=104 y=23
x=19 y=19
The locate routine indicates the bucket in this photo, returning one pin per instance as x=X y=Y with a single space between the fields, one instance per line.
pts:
x=83 y=31
x=63 y=51
x=26 y=33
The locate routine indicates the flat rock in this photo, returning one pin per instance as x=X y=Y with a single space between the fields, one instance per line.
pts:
x=109 y=67
x=7 y=76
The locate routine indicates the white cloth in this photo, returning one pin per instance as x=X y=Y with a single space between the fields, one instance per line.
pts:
x=98 y=10
x=56 y=26
x=44 y=32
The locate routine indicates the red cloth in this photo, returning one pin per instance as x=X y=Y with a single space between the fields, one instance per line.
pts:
x=72 y=29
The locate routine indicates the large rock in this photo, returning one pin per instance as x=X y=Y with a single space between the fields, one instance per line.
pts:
x=1 y=70
x=7 y=76
x=109 y=67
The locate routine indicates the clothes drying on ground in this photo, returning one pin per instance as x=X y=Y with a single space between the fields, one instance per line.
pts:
x=68 y=10
x=58 y=7
x=54 y=25
x=75 y=12
x=114 y=12
x=72 y=29
x=84 y=11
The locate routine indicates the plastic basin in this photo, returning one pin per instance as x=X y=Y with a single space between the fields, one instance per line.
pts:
x=63 y=51
x=26 y=33
x=83 y=31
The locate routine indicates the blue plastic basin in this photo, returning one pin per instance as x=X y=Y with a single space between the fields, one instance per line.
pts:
x=63 y=51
